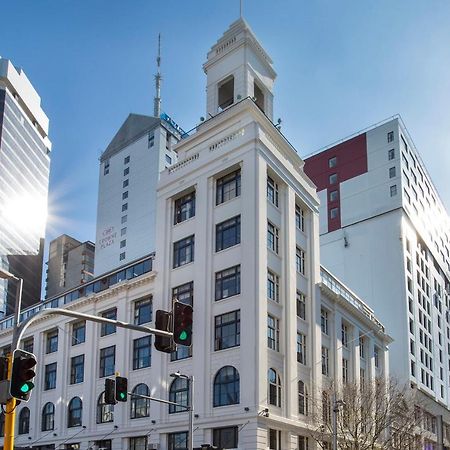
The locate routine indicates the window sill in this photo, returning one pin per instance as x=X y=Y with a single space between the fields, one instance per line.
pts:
x=175 y=225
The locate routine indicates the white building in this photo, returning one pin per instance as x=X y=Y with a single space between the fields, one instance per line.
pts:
x=129 y=173
x=385 y=232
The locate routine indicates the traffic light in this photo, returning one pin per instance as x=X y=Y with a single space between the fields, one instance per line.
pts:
x=110 y=391
x=22 y=374
x=163 y=322
x=121 y=389
x=182 y=324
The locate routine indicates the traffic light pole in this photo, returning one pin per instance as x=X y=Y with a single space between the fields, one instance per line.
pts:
x=10 y=410
x=19 y=330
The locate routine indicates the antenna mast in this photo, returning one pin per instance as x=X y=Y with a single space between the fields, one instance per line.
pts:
x=158 y=78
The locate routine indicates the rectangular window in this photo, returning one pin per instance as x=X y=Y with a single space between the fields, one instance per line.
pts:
x=225 y=437
x=104 y=444
x=228 y=233
x=50 y=377
x=123 y=243
x=138 y=443
x=108 y=328
x=273 y=333
x=303 y=443
x=183 y=251
x=168 y=159
x=333 y=196
x=272 y=191
x=301 y=305
x=333 y=178
x=272 y=237
x=300 y=260
x=228 y=282
x=184 y=208
x=227 y=330
x=124 y=207
x=391 y=172
x=301 y=348
x=78 y=332
x=143 y=311
x=228 y=187
x=122 y=256
x=325 y=361
x=334 y=213
x=126 y=160
x=123 y=231
x=344 y=370
x=344 y=335
x=77 y=369
x=126 y=171
x=390 y=136
x=362 y=347
x=376 y=357
x=178 y=441
x=125 y=183
x=332 y=162
x=28 y=345
x=274 y=439
x=52 y=342
x=125 y=195
x=142 y=352
x=151 y=139
x=324 y=321
x=299 y=218
x=184 y=293
x=107 y=361
x=391 y=154
x=124 y=219
x=181 y=352
x=273 y=286
x=106 y=167
x=393 y=190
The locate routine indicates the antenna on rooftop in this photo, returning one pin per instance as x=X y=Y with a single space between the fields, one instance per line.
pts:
x=240 y=9
x=158 y=78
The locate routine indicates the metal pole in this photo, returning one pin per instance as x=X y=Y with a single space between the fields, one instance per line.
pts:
x=335 y=411
x=191 y=413
x=10 y=413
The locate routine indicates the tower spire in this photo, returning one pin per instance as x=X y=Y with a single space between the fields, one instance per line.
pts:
x=158 y=78
x=240 y=9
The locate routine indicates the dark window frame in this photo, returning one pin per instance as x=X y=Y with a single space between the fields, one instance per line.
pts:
x=228 y=187
x=142 y=352
x=227 y=280
x=184 y=207
x=104 y=358
x=233 y=322
x=228 y=233
x=183 y=251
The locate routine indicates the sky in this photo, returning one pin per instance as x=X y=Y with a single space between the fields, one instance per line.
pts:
x=342 y=66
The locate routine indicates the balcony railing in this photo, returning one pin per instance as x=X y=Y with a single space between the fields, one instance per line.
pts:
x=340 y=289
x=99 y=284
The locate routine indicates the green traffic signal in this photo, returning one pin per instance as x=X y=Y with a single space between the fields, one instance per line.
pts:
x=183 y=336
x=26 y=387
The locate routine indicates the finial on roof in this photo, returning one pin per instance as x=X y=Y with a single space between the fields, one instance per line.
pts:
x=158 y=78
x=240 y=9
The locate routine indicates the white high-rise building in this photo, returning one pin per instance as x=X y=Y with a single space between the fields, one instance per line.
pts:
x=237 y=236
x=385 y=232
x=128 y=177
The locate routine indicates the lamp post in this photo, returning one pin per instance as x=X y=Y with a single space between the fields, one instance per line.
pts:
x=11 y=403
x=336 y=405
x=190 y=407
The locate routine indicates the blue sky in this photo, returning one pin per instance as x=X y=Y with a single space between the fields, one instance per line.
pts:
x=342 y=65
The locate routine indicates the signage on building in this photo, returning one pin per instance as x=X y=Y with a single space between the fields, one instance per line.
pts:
x=172 y=124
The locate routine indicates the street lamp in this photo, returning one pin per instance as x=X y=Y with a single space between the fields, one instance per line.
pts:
x=5 y=275
x=190 y=407
x=336 y=405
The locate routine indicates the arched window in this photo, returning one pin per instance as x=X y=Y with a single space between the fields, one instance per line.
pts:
x=302 y=398
x=179 y=393
x=274 y=388
x=24 y=421
x=48 y=417
x=105 y=412
x=140 y=407
x=226 y=387
x=75 y=412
